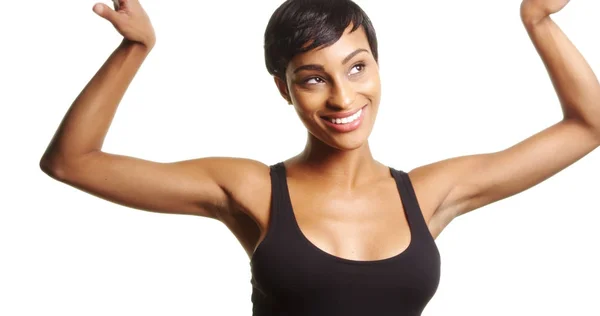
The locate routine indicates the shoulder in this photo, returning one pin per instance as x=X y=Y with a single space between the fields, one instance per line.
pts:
x=246 y=184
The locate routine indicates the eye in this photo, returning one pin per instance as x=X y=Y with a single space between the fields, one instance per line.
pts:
x=316 y=80
x=359 y=68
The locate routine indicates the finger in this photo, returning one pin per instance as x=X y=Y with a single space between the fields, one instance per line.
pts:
x=104 y=11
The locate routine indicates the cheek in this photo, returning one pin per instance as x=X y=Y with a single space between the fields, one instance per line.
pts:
x=371 y=86
x=309 y=101
x=307 y=118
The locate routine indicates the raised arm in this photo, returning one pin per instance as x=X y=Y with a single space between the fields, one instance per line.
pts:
x=207 y=187
x=462 y=184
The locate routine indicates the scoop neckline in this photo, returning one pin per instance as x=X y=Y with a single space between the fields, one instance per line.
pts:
x=341 y=259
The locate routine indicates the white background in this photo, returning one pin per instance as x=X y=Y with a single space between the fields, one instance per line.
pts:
x=459 y=77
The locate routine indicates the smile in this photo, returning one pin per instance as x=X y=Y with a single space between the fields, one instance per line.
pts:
x=345 y=122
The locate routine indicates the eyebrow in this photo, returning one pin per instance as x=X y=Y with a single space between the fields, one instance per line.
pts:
x=322 y=68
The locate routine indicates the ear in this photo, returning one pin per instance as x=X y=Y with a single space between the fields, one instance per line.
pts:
x=283 y=89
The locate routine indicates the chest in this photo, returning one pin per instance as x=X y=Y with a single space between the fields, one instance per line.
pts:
x=368 y=224
x=345 y=253
x=363 y=255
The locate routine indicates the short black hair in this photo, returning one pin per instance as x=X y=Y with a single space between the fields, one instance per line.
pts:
x=298 y=26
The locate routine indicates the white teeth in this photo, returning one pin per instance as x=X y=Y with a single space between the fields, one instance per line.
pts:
x=348 y=119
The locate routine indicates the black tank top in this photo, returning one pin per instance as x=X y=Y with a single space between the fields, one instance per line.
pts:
x=291 y=276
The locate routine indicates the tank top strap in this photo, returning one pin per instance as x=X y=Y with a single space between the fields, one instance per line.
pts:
x=281 y=206
x=409 y=202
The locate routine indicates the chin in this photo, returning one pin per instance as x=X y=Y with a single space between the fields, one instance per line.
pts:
x=343 y=142
x=348 y=143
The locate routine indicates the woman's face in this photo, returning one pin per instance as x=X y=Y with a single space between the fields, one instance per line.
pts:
x=336 y=90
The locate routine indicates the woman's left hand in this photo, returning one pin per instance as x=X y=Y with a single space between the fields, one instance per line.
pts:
x=534 y=11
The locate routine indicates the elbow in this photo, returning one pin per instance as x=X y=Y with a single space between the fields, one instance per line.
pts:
x=53 y=169
x=61 y=168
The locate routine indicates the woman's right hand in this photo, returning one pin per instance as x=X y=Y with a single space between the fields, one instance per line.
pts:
x=130 y=20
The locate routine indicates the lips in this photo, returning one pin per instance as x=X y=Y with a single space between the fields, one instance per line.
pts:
x=342 y=114
x=347 y=123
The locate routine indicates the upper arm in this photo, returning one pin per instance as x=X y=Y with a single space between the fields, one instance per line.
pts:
x=202 y=187
x=456 y=186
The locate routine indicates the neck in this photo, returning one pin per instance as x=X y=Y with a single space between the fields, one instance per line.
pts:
x=346 y=168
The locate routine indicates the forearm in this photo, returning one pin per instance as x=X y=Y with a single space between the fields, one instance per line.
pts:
x=87 y=121
x=574 y=81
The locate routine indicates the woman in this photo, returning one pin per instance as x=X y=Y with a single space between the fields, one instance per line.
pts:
x=330 y=231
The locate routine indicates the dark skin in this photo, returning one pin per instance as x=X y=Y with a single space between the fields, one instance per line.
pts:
x=345 y=201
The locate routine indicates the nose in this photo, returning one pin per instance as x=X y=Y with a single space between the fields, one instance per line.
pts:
x=342 y=95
